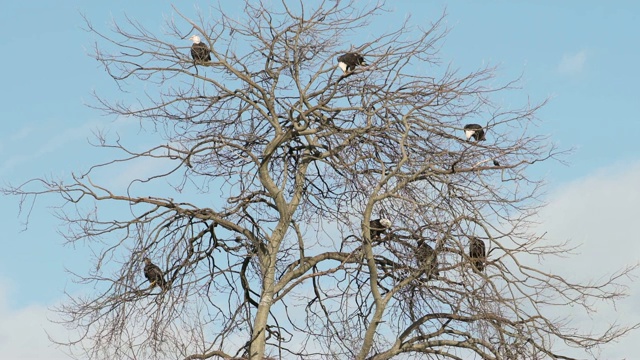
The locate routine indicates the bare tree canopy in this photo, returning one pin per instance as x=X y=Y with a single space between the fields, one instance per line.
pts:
x=279 y=162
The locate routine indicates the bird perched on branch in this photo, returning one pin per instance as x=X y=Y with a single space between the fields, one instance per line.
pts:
x=200 y=53
x=477 y=253
x=348 y=62
x=154 y=274
x=474 y=131
x=427 y=259
x=378 y=227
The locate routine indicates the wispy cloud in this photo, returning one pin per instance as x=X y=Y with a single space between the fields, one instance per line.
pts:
x=572 y=63
x=31 y=146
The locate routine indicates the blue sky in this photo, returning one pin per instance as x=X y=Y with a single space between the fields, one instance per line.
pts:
x=582 y=55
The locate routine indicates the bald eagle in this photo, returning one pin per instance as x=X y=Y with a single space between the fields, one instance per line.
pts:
x=477 y=253
x=378 y=227
x=427 y=260
x=348 y=62
x=199 y=51
x=474 y=131
x=153 y=273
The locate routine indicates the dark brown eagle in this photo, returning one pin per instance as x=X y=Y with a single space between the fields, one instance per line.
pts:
x=477 y=253
x=199 y=51
x=474 y=131
x=427 y=259
x=154 y=274
x=378 y=227
x=349 y=61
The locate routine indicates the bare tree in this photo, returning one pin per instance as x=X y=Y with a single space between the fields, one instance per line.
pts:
x=278 y=162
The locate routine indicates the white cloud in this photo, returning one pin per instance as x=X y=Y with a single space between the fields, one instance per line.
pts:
x=572 y=63
x=23 y=331
x=599 y=213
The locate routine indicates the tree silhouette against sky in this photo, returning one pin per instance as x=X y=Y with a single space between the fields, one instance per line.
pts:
x=274 y=162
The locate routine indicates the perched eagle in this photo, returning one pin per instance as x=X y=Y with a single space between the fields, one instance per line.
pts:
x=427 y=259
x=477 y=253
x=378 y=227
x=349 y=61
x=153 y=273
x=474 y=131
x=199 y=51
